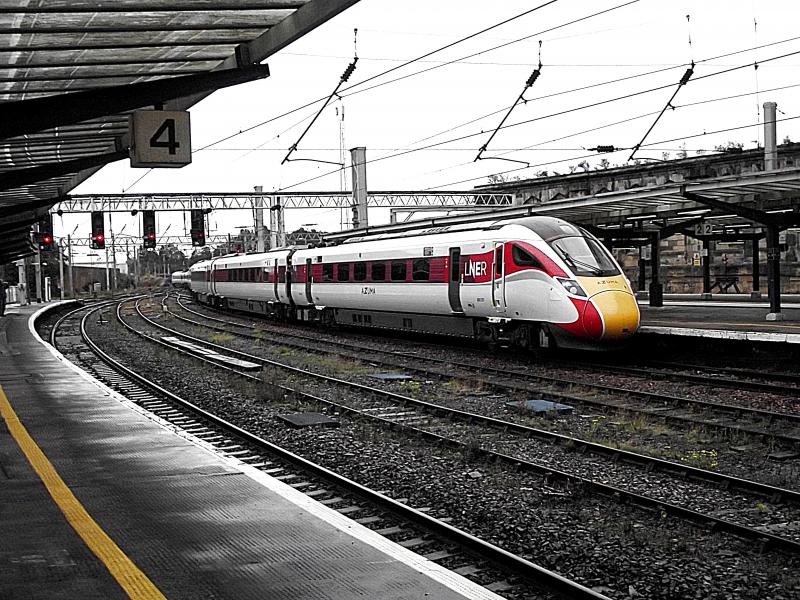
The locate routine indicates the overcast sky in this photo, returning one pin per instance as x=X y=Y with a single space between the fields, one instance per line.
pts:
x=456 y=105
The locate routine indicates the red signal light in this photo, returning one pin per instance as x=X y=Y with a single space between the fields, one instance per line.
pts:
x=47 y=239
x=99 y=237
x=151 y=236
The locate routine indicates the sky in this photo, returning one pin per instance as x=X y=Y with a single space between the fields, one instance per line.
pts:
x=607 y=69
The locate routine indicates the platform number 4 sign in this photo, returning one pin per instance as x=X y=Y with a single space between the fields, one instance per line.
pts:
x=161 y=138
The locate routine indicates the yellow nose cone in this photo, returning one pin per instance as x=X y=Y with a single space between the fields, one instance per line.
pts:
x=620 y=313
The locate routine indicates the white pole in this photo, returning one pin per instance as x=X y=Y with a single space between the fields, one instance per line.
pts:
x=71 y=274
x=770 y=137
x=61 y=269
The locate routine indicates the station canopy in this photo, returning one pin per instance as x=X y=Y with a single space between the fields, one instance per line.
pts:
x=71 y=71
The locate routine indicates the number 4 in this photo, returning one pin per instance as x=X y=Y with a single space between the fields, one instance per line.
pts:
x=168 y=127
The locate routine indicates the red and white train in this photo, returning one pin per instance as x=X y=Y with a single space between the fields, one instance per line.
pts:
x=532 y=282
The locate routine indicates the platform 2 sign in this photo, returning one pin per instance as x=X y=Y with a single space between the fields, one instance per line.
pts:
x=161 y=138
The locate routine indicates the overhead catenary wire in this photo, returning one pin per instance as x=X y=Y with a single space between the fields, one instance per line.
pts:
x=609 y=82
x=684 y=80
x=404 y=64
x=539 y=118
x=521 y=98
x=681 y=138
x=342 y=80
x=428 y=54
x=460 y=138
x=648 y=114
x=386 y=72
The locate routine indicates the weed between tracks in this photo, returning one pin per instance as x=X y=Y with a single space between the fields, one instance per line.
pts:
x=334 y=365
x=466 y=386
x=220 y=338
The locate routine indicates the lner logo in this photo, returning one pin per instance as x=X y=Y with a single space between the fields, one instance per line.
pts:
x=475 y=268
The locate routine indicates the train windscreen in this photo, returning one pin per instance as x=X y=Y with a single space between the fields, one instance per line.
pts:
x=585 y=256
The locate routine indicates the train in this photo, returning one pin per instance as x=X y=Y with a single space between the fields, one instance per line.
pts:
x=532 y=282
x=180 y=279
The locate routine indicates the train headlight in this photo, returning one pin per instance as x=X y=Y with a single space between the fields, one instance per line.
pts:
x=572 y=286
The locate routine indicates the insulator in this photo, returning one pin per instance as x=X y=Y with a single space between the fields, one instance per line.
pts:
x=534 y=76
x=687 y=76
x=349 y=70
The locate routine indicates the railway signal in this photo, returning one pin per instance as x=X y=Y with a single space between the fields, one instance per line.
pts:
x=149 y=228
x=198 y=231
x=98 y=230
x=45 y=235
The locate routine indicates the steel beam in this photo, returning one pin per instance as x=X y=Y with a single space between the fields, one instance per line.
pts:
x=170 y=7
x=235 y=201
x=751 y=214
x=26 y=116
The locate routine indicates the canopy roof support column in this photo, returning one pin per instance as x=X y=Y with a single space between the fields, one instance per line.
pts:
x=774 y=273
x=706 y=259
x=755 y=293
x=656 y=288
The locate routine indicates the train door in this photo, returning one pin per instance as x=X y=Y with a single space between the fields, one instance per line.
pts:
x=289 y=278
x=308 y=281
x=454 y=280
x=499 y=278
x=275 y=280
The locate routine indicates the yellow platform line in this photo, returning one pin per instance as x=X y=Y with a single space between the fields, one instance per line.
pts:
x=135 y=583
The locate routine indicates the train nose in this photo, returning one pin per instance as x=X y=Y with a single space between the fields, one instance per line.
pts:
x=611 y=315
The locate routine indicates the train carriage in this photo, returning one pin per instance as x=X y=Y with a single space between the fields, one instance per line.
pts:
x=531 y=281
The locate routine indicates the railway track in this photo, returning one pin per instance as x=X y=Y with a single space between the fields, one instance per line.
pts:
x=435 y=423
x=498 y=570
x=661 y=406
x=712 y=376
x=736 y=378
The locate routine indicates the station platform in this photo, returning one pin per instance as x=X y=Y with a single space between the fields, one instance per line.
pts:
x=99 y=499
x=733 y=317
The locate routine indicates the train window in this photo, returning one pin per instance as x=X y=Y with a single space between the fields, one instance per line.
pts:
x=498 y=261
x=421 y=270
x=399 y=270
x=281 y=274
x=327 y=272
x=343 y=272
x=523 y=258
x=379 y=271
x=359 y=271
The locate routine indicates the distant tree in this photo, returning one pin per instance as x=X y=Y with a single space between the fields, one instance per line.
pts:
x=604 y=164
x=786 y=140
x=682 y=152
x=501 y=178
x=729 y=147
x=200 y=254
